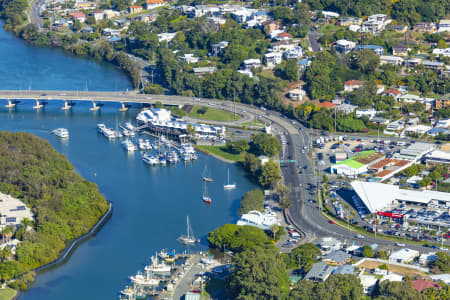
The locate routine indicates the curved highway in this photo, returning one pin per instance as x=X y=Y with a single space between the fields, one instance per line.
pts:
x=305 y=216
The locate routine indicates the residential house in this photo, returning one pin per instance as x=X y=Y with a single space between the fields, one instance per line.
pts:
x=202 y=10
x=319 y=272
x=246 y=72
x=392 y=277
x=354 y=28
x=388 y=59
x=294 y=53
x=252 y=63
x=85 y=5
x=241 y=16
x=337 y=258
x=329 y=244
x=152 y=4
x=349 y=21
x=270 y=26
x=442 y=102
x=283 y=36
x=412 y=62
x=423 y=27
x=78 y=15
x=344 y=46
x=272 y=59
x=399 y=28
x=109 y=32
x=395 y=125
x=60 y=23
x=134 y=9
x=110 y=14
x=437 y=130
x=296 y=94
x=444 y=26
x=409 y=98
x=400 y=50
x=433 y=65
x=344 y=270
x=403 y=256
x=98 y=15
x=426 y=258
x=190 y=58
x=368 y=112
x=379 y=121
x=346 y=108
x=392 y=92
x=444 y=52
x=216 y=20
x=351 y=85
x=122 y=23
x=375 y=48
x=284 y=45
x=422 y=284
x=303 y=64
x=330 y=14
x=166 y=36
x=368 y=283
x=147 y=18
x=219 y=48
x=372 y=26
x=204 y=70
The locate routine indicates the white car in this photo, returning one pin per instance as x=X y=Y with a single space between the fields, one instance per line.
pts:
x=399 y=244
x=359 y=236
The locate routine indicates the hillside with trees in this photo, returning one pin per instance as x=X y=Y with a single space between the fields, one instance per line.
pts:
x=64 y=204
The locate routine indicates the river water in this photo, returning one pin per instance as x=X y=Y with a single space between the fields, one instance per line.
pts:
x=150 y=203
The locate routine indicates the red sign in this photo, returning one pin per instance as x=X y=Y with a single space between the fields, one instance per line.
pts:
x=390 y=215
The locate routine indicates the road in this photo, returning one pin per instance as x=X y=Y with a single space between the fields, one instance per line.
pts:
x=305 y=216
x=313 y=36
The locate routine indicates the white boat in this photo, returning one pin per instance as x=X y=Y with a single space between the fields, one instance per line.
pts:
x=61 y=132
x=128 y=145
x=144 y=280
x=172 y=157
x=158 y=267
x=101 y=127
x=150 y=159
x=188 y=239
x=144 y=144
x=205 y=196
x=128 y=132
x=205 y=177
x=162 y=160
x=229 y=186
x=129 y=126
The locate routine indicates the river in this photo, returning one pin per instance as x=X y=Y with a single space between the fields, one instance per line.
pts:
x=150 y=203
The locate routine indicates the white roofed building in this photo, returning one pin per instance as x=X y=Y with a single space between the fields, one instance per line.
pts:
x=264 y=220
x=403 y=256
x=379 y=196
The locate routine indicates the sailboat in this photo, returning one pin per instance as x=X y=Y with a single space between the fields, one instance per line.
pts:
x=205 y=196
x=205 y=177
x=229 y=186
x=188 y=239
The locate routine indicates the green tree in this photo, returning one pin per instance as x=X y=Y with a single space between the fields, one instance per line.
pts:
x=252 y=164
x=303 y=256
x=252 y=200
x=291 y=70
x=367 y=251
x=153 y=89
x=266 y=144
x=270 y=174
x=442 y=262
x=259 y=274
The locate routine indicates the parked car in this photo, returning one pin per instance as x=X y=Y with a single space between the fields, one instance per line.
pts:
x=331 y=222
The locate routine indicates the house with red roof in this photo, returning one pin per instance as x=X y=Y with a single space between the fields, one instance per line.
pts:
x=134 y=9
x=78 y=15
x=392 y=92
x=327 y=104
x=283 y=36
x=351 y=85
x=422 y=284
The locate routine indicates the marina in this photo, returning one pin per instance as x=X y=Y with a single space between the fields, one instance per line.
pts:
x=150 y=203
x=144 y=198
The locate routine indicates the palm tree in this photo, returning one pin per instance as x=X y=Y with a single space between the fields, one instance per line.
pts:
x=5 y=254
x=274 y=228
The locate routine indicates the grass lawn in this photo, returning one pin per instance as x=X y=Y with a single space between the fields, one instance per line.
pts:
x=254 y=123
x=213 y=114
x=7 y=293
x=221 y=152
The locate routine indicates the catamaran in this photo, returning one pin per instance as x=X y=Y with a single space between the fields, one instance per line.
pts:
x=229 y=186
x=206 y=178
x=205 y=196
x=188 y=239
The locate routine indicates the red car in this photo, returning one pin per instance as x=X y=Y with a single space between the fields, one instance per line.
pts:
x=331 y=222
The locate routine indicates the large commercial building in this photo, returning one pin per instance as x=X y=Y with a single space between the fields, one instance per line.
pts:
x=378 y=197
